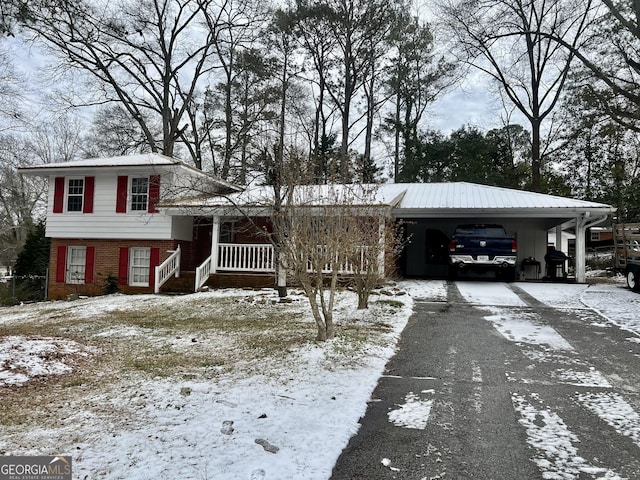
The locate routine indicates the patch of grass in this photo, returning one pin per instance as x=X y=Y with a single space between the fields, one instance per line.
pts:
x=45 y=400
x=201 y=338
x=166 y=362
x=390 y=303
x=74 y=382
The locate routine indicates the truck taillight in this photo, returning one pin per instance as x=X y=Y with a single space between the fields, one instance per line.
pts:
x=514 y=246
x=452 y=246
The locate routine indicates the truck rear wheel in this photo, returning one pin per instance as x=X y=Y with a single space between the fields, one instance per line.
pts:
x=510 y=274
x=453 y=272
x=633 y=280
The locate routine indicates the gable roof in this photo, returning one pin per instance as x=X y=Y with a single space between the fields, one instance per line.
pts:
x=147 y=161
x=137 y=160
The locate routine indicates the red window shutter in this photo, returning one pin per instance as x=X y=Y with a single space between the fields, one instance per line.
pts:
x=154 y=193
x=89 y=265
x=61 y=264
x=123 y=266
x=121 y=194
x=58 y=195
x=89 y=187
x=154 y=261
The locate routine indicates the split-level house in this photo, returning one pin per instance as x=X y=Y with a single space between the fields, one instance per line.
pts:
x=103 y=221
x=145 y=219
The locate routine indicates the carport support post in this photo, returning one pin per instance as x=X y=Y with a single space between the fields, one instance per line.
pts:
x=559 y=238
x=581 y=221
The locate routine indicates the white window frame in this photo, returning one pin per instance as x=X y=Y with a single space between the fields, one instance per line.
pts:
x=139 y=266
x=133 y=195
x=76 y=264
x=68 y=194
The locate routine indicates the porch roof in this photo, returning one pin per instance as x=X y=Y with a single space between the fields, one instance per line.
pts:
x=407 y=200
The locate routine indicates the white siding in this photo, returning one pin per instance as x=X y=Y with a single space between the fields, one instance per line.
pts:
x=104 y=222
x=531 y=237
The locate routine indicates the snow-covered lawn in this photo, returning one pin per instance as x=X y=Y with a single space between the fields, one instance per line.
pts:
x=229 y=384
x=226 y=384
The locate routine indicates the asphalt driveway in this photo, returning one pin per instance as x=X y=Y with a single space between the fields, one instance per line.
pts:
x=502 y=392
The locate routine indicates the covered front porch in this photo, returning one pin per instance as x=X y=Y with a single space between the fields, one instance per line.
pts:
x=229 y=252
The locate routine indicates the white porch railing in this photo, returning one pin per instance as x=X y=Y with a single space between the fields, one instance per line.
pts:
x=233 y=257
x=171 y=266
x=345 y=267
x=202 y=273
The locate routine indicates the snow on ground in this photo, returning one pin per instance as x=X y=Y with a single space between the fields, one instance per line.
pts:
x=558 y=454
x=414 y=413
x=589 y=377
x=489 y=293
x=92 y=306
x=618 y=304
x=305 y=408
x=524 y=327
x=430 y=290
x=615 y=411
x=565 y=296
x=23 y=358
x=556 y=446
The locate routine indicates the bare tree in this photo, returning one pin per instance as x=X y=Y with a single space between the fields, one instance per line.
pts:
x=417 y=77
x=112 y=133
x=332 y=232
x=22 y=198
x=358 y=26
x=11 y=91
x=237 y=28
x=376 y=242
x=313 y=32
x=612 y=60
x=512 y=42
x=148 y=56
x=55 y=140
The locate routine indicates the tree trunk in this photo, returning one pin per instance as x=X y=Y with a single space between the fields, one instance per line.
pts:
x=363 y=299
x=315 y=310
x=396 y=153
x=370 y=117
x=228 y=122
x=536 y=163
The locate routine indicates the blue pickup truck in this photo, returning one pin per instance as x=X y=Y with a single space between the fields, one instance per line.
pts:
x=483 y=247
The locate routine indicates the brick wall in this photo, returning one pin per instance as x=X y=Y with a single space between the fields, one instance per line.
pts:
x=107 y=255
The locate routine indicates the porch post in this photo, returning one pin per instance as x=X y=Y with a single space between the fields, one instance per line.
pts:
x=381 y=245
x=559 y=238
x=215 y=236
x=281 y=277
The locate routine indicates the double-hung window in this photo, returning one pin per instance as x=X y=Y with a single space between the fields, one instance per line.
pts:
x=139 y=262
x=75 y=194
x=76 y=264
x=139 y=193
